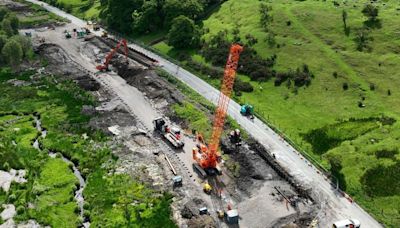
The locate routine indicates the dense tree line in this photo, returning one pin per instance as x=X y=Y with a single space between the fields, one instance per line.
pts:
x=14 y=48
x=144 y=16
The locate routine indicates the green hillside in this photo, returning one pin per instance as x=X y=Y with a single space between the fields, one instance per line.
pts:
x=312 y=33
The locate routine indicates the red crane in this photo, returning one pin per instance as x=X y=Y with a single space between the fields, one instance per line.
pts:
x=207 y=157
x=111 y=54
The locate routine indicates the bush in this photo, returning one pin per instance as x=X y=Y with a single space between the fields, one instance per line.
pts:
x=345 y=86
x=372 y=86
x=241 y=86
x=386 y=154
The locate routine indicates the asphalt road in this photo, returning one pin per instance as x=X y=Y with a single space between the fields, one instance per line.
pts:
x=337 y=206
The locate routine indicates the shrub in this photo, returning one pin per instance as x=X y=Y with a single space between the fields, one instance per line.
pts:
x=386 y=154
x=345 y=86
x=242 y=86
x=335 y=74
x=372 y=86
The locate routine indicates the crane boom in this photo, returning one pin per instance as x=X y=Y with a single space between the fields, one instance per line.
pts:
x=224 y=96
x=207 y=158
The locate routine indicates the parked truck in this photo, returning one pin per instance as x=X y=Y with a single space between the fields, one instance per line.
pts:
x=171 y=134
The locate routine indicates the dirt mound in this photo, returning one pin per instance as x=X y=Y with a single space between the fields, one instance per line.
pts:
x=148 y=82
x=295 y=221
x=191 y=211
x=15 y=6
x=61 y=65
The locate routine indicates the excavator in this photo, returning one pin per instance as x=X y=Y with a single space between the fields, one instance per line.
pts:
x=104 y=67
x=208 y=157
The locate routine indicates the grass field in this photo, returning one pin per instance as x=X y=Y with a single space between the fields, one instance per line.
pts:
x=87 y=10
x=316 y=37
x=48 y=196
x=37 y=16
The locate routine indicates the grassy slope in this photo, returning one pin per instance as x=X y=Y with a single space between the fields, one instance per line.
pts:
x=37 y=16
x=82 y=8
x=316 y=37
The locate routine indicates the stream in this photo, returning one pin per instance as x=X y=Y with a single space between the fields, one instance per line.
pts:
x=78 y=193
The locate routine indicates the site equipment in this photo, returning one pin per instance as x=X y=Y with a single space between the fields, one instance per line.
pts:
x=232 y=216
x=203 y=211
x=81 y=33
x=172 y=134
x=207 y=157
x=234 y=137
x=207 y=188
x=177 y=180
x=111 y=54
x=347 y=223
x=247 y=110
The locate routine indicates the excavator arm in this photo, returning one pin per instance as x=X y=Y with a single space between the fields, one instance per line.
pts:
x=112 y=53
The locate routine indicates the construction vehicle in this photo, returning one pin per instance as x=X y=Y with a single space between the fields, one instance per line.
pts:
x=104 y=67
x=81 y=33
x=207 y=188
x=347 y=223
x=247 y=110
x=171 y=134
x=208 y=157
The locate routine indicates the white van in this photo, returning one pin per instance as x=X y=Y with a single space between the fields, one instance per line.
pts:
x=347 y=223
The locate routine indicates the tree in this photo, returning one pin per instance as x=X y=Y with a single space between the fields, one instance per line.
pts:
x=362 y=39
x=344 y=18
x=14 y=22
x=12 y=52
x=149 y=18
x=370 y=11
x=174 y=8
x=183 y=33
x=3 y=13
x=3 y=40
x=6 y=27
x=25 y=43
x=266 y=16
x=118 y=13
